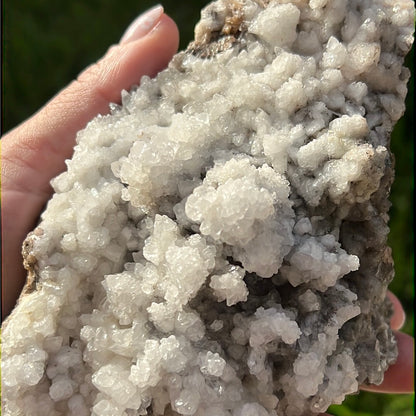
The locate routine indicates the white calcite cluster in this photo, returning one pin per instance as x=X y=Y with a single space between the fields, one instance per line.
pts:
x=217 y=245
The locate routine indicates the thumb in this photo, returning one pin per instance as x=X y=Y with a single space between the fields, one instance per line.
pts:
x=35 y=151
x=48 y=138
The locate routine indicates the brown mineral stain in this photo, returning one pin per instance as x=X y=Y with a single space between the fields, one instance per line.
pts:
x=30 y=261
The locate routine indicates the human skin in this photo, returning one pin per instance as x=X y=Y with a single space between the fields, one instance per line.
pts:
x=34 y=152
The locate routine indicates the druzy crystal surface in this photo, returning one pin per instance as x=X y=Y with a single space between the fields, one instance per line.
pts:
x=217 y=245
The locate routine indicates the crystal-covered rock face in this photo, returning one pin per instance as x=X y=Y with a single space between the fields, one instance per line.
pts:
x=217 y=245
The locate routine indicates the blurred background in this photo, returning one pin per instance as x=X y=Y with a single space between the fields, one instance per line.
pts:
x=46 y=43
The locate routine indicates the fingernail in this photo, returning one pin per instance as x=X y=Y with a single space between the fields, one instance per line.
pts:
x=143 y=24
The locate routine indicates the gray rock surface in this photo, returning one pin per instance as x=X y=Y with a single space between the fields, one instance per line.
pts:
x=217 y=245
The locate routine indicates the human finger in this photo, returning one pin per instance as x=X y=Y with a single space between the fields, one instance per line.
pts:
x=48 y=138
x=399 y=376
x=399 y=316
x=34 y=152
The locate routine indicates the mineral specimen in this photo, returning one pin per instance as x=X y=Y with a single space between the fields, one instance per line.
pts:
x=217 y=245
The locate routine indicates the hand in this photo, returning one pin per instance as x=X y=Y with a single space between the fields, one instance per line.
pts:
x=34 y=152
x=399 y=376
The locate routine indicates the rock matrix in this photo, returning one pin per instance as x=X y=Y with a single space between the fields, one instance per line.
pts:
x=217 y=245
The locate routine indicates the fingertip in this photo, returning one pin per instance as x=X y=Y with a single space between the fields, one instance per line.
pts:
x=165 y=37
x=143 y=24
x=169 y=29
x=399 y=376
x=125 y=63
x=399 y=316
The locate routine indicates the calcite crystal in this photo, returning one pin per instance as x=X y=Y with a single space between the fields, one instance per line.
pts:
x=217 y=245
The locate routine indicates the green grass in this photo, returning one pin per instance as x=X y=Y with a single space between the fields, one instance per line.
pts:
x=46 y=43
x=370 y=404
